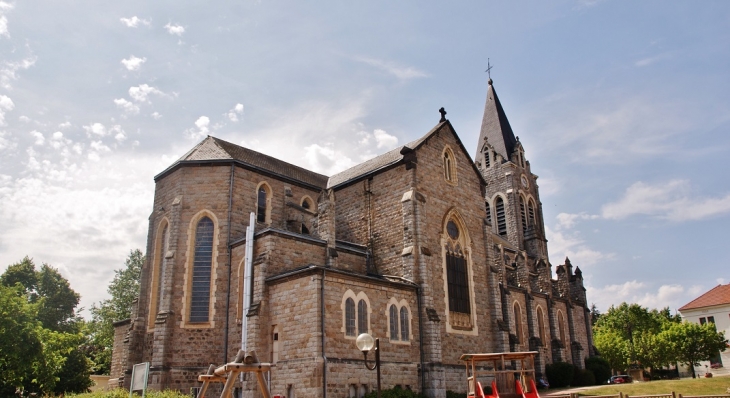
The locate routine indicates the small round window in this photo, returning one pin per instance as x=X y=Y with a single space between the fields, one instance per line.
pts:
x=453 y=230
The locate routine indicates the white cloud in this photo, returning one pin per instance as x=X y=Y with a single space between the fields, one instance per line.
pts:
x=97 y=129
x=128 y=106
x=384 y=139
x=202 y=129
x=133 y=63
x=325 y=158
x=88 y=217
x=156 y=115
x=4 y=7
x=9 y=70
x=564 y=244
x=134 y=21
x=567 y=221
x=142 y=92
x=6 y=105
x=24 y=119
x=672 y=201
x=233 y=113
x=399 y=71
x=672 y=296
x=39 y=138
x=177 y=30
x=650 y=60
x=64 y=125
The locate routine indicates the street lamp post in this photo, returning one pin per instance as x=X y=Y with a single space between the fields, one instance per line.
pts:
x=366 y=343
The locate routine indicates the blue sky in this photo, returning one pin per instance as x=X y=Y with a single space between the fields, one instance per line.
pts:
x=622 y=107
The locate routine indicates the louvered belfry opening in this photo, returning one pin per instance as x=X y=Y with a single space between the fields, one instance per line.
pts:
x=523 y=215
x=501 y=220
x=200 y=298
x=489 y=213
x=531 y=211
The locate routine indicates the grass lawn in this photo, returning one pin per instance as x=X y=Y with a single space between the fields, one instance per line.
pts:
x=699 y=386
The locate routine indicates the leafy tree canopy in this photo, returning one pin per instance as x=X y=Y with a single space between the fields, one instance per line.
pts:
x=123 y=290
x=692 y=343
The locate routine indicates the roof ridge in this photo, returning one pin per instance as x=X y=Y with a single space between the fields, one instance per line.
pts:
x=218 y=140
x=724 y=298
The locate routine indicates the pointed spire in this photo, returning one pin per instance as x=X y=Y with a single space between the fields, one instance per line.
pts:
x=495 y=126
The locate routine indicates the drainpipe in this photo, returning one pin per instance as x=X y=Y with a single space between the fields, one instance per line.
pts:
x=228 y=290
x=324 y=355
x=248 y=268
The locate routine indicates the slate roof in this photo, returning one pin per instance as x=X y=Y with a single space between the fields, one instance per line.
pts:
x=213 y=148
x=495 y=126
x=718 y=295
x=378 y=162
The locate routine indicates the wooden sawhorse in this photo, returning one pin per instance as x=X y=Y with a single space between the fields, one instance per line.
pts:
x=228 y=373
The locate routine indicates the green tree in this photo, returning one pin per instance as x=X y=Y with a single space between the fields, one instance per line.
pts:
x=691 y=343
x=20 y=343
x=39 y=332
x=123 y=290
x=613 y=347
x=629 y=321
x=652 y=350
x=56 y=301
x=595 y=314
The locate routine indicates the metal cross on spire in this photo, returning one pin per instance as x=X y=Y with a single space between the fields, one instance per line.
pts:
x=489 y=69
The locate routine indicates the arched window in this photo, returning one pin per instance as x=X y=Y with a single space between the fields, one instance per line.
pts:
x=449 y=165
x=350 y=317
x=531 y=211
x=561 y=328
x=541 y=325
x=523 y=215
x=307 y=203
x=501 y=219
x=162 y=266
x=362 y=317
x=489 y=213
x=404 y=324
x=393 y=322
x=158 y=273
x=261 y=204
x=202 y=263
x=456 y=271
x=518 y=322
x=305 y=230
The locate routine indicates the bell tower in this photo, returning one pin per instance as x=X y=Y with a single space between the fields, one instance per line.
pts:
x=514 y=210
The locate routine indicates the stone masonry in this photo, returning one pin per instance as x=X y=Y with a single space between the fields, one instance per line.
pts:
x=454 y=247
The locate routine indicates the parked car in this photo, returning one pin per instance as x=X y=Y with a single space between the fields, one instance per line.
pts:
x=619 y=379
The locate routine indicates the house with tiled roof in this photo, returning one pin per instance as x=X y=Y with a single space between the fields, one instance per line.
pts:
x=711 y=307
x=433 y=252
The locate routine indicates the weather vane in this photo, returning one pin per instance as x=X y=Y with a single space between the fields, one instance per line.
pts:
x=489 y=69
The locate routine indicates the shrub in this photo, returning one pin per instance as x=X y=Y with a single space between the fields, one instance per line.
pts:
x=451 y=394
x=395 y=392
x=559 y=374
x=120 y=393
x=600 y=368
x=583 y=377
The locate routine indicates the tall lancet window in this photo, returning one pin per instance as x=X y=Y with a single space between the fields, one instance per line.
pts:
x=163 y=265
x=501 y=219
x=456 y=271
x=449 y=165
x=202 y=264
x=261 y=204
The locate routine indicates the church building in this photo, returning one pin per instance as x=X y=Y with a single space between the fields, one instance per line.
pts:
x=433 y=252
